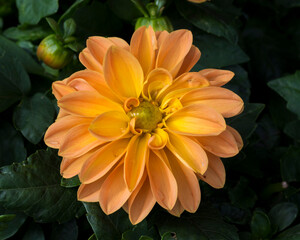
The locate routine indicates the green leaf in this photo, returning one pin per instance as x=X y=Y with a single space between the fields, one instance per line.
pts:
x=70 y=182
x=15 y=51
x=106 y=227
x=70 y=11
x=217 y=52
x=32 y=11
x=65 y=231
x=260 y=225
x=33 y=187
x=210 y=18
x=11 y=145
x=54 y=26
x=282 y=215
x=290 y=234
x=14 y=81
x=34 y=232
x=140 y=232
x=10 y=224
x=289 y=88
x=206 y=224
x=292 y=129
x=33 y=116
x=93 y=237
x=168 y=236
x=290 y=165
x=245 y=122
x=69 y=27
x=26 y=34
x=242 y=195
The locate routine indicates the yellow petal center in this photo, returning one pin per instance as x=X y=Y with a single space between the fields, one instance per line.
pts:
x=147 y=116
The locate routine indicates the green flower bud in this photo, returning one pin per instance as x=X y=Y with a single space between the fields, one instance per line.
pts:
x=53 y=53
x=157 y=23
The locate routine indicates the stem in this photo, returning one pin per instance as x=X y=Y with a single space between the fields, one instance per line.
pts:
x=140 y=6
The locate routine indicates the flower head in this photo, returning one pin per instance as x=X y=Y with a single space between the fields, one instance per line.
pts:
x=139 y=128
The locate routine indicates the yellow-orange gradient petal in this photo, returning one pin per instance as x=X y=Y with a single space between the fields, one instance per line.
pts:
x=135 y=160
x=140 y=202
x=57 y=131
x=189 y=152
x=190 y=60
x=119 y=42
x=143 y=45
x=173 y=50
x=103 y=160
x=123 y=73
x=114 y=192
x=158 y=139
x=217 y=77
x=222 y=100
x=196 y=120
x=188 y=185
x=162 y=181
x=90 y=192
x=223 y=145
x=110 y=126
x=78 y=141
x=157 y=80
x=87 y=104
x=215 y=175
x=237 y=137
x=71 y=167
x=88 y=60
x=60 y=89
x=98 y=46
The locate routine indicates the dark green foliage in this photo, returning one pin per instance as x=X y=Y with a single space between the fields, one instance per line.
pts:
x=258 y=40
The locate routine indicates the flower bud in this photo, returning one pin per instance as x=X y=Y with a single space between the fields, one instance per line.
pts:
x=157 y=23
x=53 y=53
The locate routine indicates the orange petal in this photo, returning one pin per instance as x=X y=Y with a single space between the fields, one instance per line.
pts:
x=237 y=136
x=62 y=113
x=222 y=100
x=80 y=84
x=96 y=80
x=217 y=77
x=223 y=145
x=88 y=60
x=162 y=182
x=173 y=50
x=135 y=160
x=215 y=175
x=196 y=120
x=110 y=126
x=157 y=80
x=123 y=73
x=143 y=45
x=57 y=131
x=119 y=42
x=161 y=37
x=140 y=202
x=98 y=47
x=71 y=167
x=78 y=141
x=190 y=60
x=103 y=160
x=114 y=192
x=188 y=185
x=60 y=89
x=189 y=152
x=158 y=139
x=177 y=210
x=90 y=192
x=87 y=104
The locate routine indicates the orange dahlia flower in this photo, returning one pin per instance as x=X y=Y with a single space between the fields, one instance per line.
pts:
x=139 y=128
